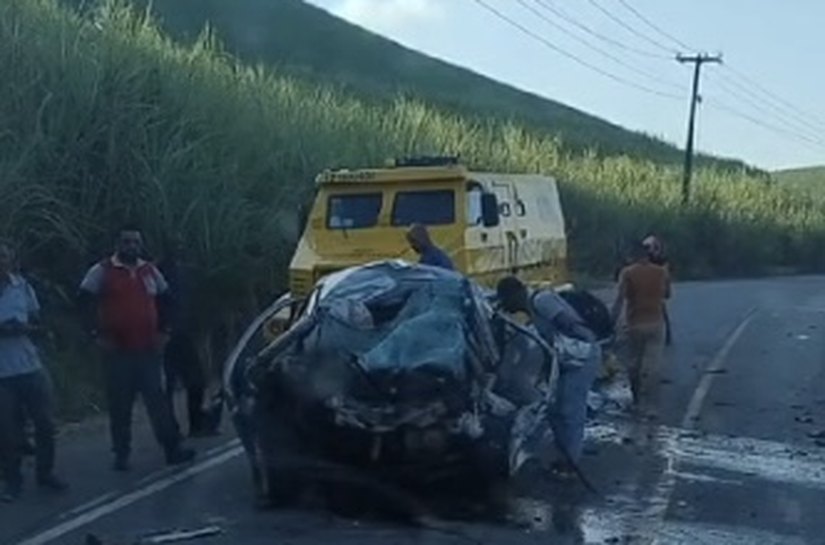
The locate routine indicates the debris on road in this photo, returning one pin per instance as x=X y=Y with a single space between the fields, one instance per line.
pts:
x=179 y=535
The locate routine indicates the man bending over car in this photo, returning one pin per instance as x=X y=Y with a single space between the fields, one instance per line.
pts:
x=579 y=355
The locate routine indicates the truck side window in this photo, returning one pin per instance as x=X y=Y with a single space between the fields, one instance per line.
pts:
x=474 y=212
x=435 y=207
x=353 y=211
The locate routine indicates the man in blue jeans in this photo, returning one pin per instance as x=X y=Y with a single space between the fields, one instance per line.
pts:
x=578 y=352
x=24 y=384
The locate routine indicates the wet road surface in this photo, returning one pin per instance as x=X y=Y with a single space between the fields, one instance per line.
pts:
x=731 y=458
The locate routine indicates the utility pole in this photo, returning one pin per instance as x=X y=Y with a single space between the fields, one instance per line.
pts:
x=698 y=61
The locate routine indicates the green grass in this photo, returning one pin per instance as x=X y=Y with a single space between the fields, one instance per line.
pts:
x=107 y=120
x=808 y=181
x=305 y=41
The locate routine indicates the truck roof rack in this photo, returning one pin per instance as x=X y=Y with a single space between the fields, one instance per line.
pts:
x=427 y=161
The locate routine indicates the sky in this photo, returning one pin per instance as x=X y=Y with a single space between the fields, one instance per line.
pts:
x=764 y=104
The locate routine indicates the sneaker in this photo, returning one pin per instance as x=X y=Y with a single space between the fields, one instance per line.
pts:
x=52 y=483
x=179 y=456
x=121 y=464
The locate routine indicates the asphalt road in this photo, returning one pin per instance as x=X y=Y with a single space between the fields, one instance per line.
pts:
x=730 y=458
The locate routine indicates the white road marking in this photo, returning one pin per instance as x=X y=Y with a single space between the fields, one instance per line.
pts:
x=712 y=370
x=702 y=478
x=652 y=516
x=152 y=477
x=740 y=458
x=605 y=525
x=691 y=533
x=764 y=460
x=129 y=498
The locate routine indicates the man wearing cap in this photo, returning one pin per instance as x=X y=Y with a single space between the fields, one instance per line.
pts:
x=656 y=253
x=642 y=291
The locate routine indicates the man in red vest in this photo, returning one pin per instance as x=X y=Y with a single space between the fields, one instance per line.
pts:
x=131 y=298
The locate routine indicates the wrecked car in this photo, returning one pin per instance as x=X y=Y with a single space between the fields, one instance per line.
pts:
x=405 y=371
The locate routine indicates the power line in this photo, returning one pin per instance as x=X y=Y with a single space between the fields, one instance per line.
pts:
x=631 y=29
x=768 y=98
x=599 y=50
x=777 y=98
x=756 y=121
x=573 y=57
x=744 y=94
x=607 y=39
x=654 y=26
x=718 y=105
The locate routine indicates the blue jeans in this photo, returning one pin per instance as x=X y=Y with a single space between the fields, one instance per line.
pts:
x=570 y=411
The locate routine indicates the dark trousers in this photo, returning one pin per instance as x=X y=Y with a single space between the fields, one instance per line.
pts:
x=31 y=393
x=129 y=373
x=182 y=366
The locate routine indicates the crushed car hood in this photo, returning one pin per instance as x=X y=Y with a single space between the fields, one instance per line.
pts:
x=392 y=346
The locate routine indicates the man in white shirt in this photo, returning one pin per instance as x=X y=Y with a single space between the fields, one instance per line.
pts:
x=24 y=383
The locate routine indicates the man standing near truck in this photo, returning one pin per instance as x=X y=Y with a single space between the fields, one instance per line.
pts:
x=132 y=300
x=419 y=239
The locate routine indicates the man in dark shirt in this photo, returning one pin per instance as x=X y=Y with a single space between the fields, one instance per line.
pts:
x=420 y=241
x=181 y=362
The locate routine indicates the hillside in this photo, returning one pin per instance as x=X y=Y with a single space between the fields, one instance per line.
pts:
x=306 y=41
x=810 y=180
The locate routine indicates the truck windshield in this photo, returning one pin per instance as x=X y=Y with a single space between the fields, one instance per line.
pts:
x=353 y=211
x=436 y=207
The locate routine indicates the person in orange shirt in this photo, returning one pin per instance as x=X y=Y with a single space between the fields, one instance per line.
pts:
x=642 y=291
x=656 y=252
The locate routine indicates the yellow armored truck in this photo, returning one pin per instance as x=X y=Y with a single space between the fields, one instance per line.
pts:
x=490 y=224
